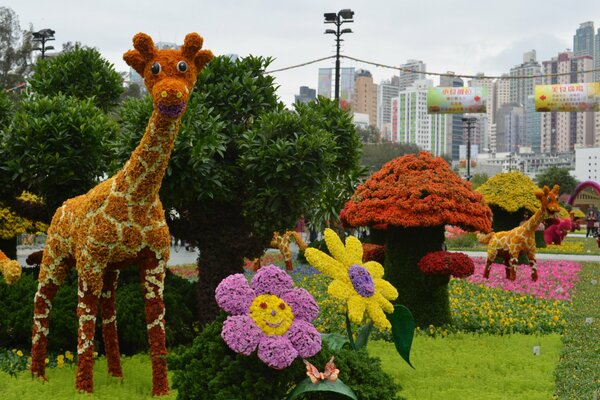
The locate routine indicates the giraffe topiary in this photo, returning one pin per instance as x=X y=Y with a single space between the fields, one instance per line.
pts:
x=282 y=243
x=9 y=268
x=509 y=244
x=120 y=223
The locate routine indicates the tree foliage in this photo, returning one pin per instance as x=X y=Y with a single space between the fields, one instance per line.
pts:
x=369 y=134
x=479 y=179
x=81 y=72
x=374 y=155
x=6 y=109
x=557 y=176
x=15 y=50
x=56 y=147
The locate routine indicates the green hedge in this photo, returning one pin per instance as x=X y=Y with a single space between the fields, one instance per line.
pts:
x=210 y=370
x=16 y=303
x=577 y=374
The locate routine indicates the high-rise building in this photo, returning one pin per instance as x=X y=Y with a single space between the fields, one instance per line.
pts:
x=502 y=93
x=597 y=63
x=365 y=95
x=386 y=91
x=583 y=40
x=412 y=124
x=533 y=125
x=562 y=131
x=456 y=134
x=407 y=78
x=326 y=86
x=519 y=89
x=509 y=128
x=490 y=110
x=306 y=95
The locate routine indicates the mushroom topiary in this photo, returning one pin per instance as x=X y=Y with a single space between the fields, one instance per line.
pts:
x=416 y=196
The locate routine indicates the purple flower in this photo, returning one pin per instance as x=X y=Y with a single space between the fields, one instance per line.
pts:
x=269 y=315
x=361 y=280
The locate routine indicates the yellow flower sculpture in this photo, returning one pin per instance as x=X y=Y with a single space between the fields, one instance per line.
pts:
x=360 y=285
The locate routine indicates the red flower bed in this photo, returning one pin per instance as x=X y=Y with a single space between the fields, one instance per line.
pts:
x=459 y=265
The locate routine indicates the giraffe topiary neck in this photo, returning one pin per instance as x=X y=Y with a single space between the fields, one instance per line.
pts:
x=535 y=220
x=141 y=177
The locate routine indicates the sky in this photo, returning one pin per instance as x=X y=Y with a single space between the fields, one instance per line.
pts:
x=464 y=36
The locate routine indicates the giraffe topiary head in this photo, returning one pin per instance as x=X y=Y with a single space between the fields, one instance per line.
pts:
x=549 y=200
x=169 y=74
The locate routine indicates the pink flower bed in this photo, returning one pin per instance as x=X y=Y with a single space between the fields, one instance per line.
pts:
x=556 y=278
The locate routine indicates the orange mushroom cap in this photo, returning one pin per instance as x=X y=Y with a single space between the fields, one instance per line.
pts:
x=417 y=191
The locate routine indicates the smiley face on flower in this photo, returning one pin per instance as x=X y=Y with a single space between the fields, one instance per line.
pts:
x=360 y=285
x=269 y=315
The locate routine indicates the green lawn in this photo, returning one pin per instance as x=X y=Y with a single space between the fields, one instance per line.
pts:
x=466 y=366
x=137 y=383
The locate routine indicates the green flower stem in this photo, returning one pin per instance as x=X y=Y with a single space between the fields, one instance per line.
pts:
x=349 y=331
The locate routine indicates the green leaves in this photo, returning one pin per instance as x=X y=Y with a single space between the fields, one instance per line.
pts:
x=403 y=329
x=335 y=341
x=337 y=386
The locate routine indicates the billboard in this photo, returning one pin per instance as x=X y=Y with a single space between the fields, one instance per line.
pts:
x=568 y=98
x=456 y=100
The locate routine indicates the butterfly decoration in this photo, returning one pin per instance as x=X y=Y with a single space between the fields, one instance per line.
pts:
x=331 y=372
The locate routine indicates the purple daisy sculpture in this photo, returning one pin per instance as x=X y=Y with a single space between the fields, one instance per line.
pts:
x=269 y=314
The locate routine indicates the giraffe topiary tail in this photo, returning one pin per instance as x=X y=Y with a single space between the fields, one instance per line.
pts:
x=485 y=238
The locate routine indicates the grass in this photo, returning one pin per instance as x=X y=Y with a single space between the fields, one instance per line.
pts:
x=467 y=366
x=137 y=383
x=578 y=373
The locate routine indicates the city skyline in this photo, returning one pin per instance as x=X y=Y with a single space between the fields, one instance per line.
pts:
x=464 y=37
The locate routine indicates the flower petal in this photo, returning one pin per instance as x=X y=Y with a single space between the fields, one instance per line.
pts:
x=325 y=264
x=374 y=268
x=354 y=250
x=302 y=303
x=305 y=338
x=383 y=303
x=336 y=247
x=241 y=334
x=276 y=351
x=386 y=289
x=378 y=316
x=271 y=279
x=341 y=290
x=234 y=295
x=356 y=308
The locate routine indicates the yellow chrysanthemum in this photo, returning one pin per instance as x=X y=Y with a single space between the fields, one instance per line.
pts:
x=360 y=285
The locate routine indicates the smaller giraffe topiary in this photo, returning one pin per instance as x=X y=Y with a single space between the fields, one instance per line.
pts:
x=9 y=268
x=510 y=244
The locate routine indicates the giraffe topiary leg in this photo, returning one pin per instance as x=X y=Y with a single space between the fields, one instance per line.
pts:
x=152 y=276
x=109 y=322
x=512 y=273
x=42 y=304
x=87 y=309
x=533 y=265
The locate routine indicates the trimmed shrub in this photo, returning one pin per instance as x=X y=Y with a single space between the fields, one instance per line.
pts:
x=210 y=370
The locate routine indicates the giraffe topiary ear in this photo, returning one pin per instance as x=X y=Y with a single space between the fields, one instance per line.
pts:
x=202 y=58
x=539 y=194
x=556 y=189
x=143 y=53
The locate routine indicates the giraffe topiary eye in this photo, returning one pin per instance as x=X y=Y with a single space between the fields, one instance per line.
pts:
x=182 y=66
x=155 y=68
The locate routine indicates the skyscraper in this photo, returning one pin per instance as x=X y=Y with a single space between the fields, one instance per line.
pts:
x=583 y=40
x=386 y=90
x=327 y=82
x=456 y=134
x=407 y=78
x=412 y=124
x=562 y=131
x=597 y=63
x=519 y=89
x=490 y=112
x=306 y=95
x=365 y=95
x=502 y=93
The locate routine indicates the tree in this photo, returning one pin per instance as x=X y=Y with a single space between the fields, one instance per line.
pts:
x=557 y=176
x=370 y=134
x=80 y=72
x=15 y=50
x=6 y=109
x=242 y=166
x=374 y=155
x=479 y=179
x=55 y=147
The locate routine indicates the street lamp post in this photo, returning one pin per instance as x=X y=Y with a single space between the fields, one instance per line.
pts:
x=43 y=36
x=469 y=124
x=343 y=16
